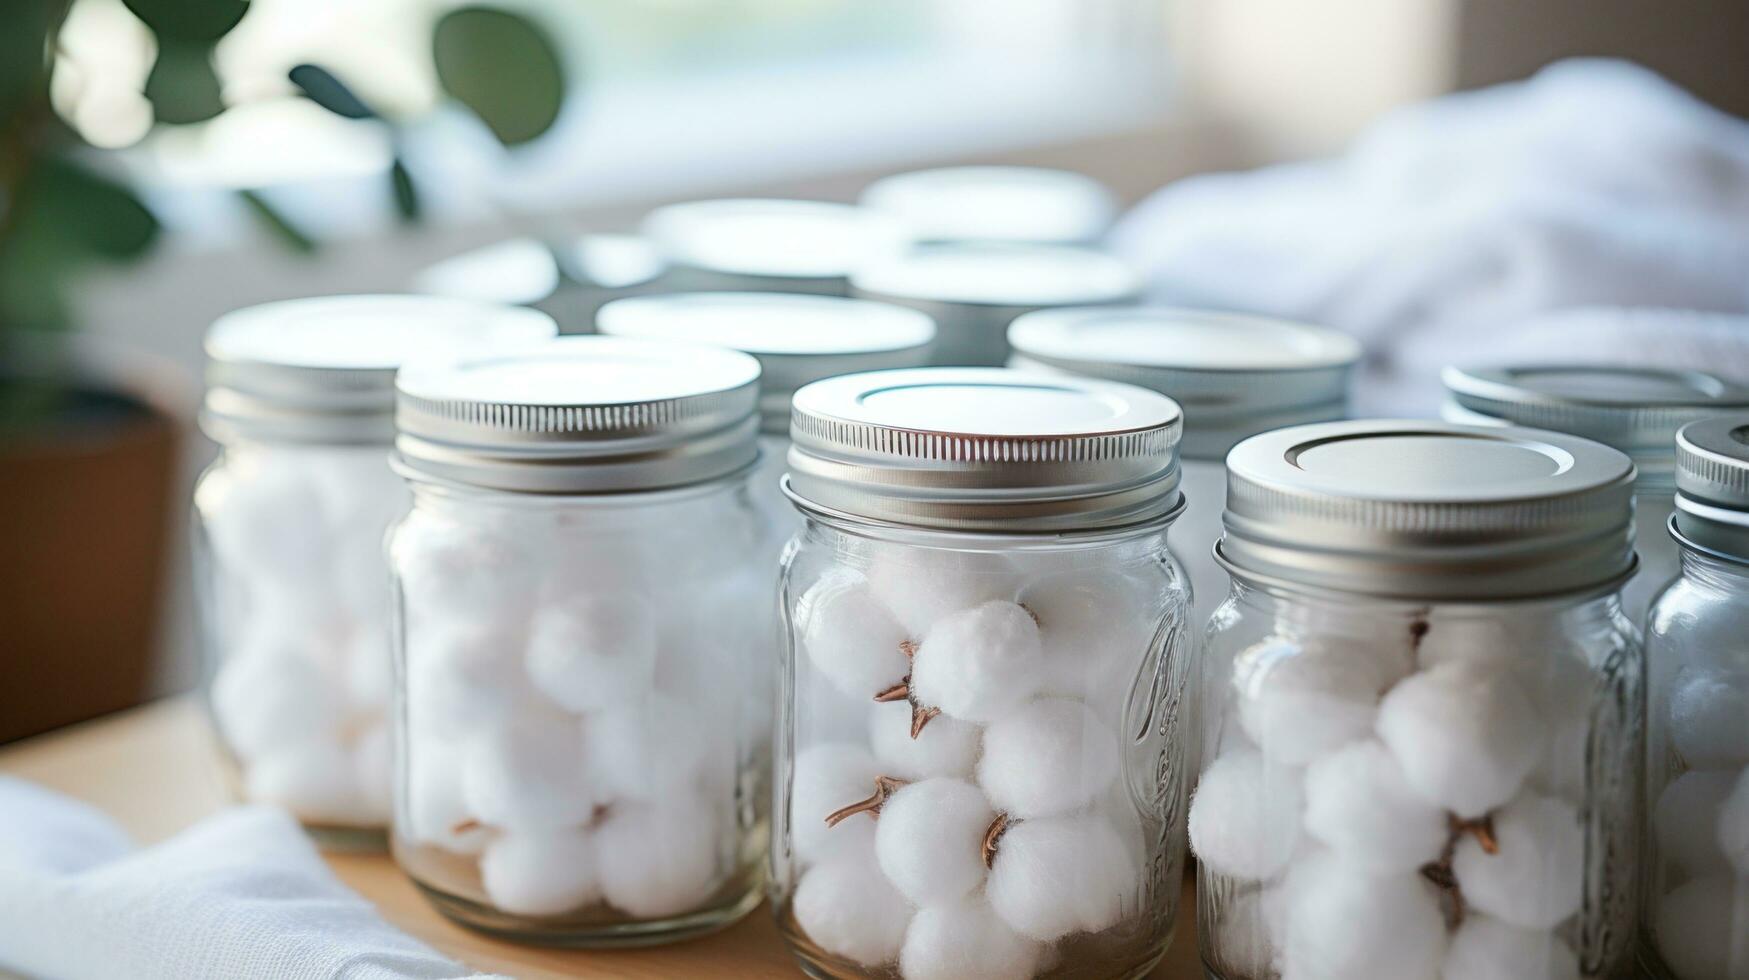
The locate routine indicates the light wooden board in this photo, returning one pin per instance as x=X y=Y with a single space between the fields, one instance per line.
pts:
x=156 y=771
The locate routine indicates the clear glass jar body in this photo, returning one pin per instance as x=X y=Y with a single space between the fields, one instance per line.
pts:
x=1417 y=791
x=1660 y=558
x=1032 y=825
x=295 y=625
x=1695 y=923
x=584 y=710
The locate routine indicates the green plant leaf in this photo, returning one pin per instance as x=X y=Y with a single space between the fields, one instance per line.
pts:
x=201 y=21
x=281 y=227
x=24 y=61
x=183 y=87
x=405 y=191
x=321 y=87
x=502 y=67
x=62 y=201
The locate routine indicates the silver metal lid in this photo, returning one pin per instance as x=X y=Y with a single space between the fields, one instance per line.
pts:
x=984 y=449
x=516 y=272
x=577 y=415
x=323 y=369
x=1712 y=485
x=1635 y=410
x=1234 y=375
x=779 y=245
x=1428 y=511
x=796 y=339
x=997 y=204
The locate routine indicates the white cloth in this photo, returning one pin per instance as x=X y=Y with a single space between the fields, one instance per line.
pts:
x=1448 y=227
x=240 y=896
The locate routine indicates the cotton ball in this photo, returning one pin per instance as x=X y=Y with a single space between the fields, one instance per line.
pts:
x=930 y=837
x=1243 y=943
x=461 y=677
x=1465 y=734
x=1536 y=878
x=648 y=748
x=259 y=523
x=436 y=812
x=1050 y=756
x=1360 y=805
x=1709 y=719
x=850 y=637
x=828 y=778
x=1344 y=923
x=540 y=873
x=822 y=713
x=847 y=907
x=1096 y=626
x=657 y=860
x=528 y=775
x=1686 y=821
x=945 y=747
x=980 y=663
x=1245 y=816
x=1299 y=702
x=313 y=778
x=922 y=587
x=593 y=652
x=1703 y=929
x=477 y=573
x=1734 y=826
x=373 y=769
x=1058 y=875
x=1485 y=948
x=964 y=940
x=264 y=699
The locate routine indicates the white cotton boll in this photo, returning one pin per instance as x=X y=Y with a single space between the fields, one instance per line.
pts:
x=265 y=699
x=461 y=677
x=1536 y=879
x=1734 y=826
x=1360 y=805
x=850 y=637
x=1344 y=923
x=1709 y=719
x=259 y=523
x=540 y=873
x=528 y=775
x=828 y=778
x=1686 y=821
x=1703 y=929
x=313 y=778
x=964 y=940
x=922 y=587
x=1245 y=816
x=1050 y=756
x=648 y=748
x=1299 y=702
x=1058 y=875
x=1095 y=626
x=825 y=714
x=1465 y=734
x=479 y=574
x=593 y=652
x=1485 y=948
x=657 y=860
x=847 y=907
x=945 y=747
x=436 y=812
x=980 y=663
x=930 y=837
x=373 y=767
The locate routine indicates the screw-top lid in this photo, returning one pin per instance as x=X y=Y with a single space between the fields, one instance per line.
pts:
x=796 y=339
x=1712 y=485
x=764 y=244
x=1635 y=410
x=1234 y=375
x=517 y=272
x=323 y=370
x=578 y=415
x=1009 y=204
x=984 y=449
x=1429 y=511
x=984 y=274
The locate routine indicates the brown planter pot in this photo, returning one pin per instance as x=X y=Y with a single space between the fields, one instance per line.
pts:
x=85 y=518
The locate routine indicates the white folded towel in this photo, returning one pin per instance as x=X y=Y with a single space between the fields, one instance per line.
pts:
x=240 y=896
x=1448 y=226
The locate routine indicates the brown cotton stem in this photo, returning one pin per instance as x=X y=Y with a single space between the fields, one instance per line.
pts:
x=885 y=787
x=993 y=839
x=898 y=692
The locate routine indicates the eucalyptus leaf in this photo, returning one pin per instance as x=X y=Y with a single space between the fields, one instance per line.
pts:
x=183 y=88
x=281 y=227
x=503 y=67
x=320 y=86
x=405 y=191
x=200 y=21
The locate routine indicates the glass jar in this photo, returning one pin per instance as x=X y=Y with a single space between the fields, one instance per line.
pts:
x=766 y=245
x=995 y=204
x=797 y=339
x=289 y=522
x=1635 y=410
x=975 y=290
x=1695 y=924
x=583 y=693
x=981 y=767
x=569 y=281
x=1421 y=708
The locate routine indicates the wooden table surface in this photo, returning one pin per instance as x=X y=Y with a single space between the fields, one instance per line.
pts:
x=155 y=770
